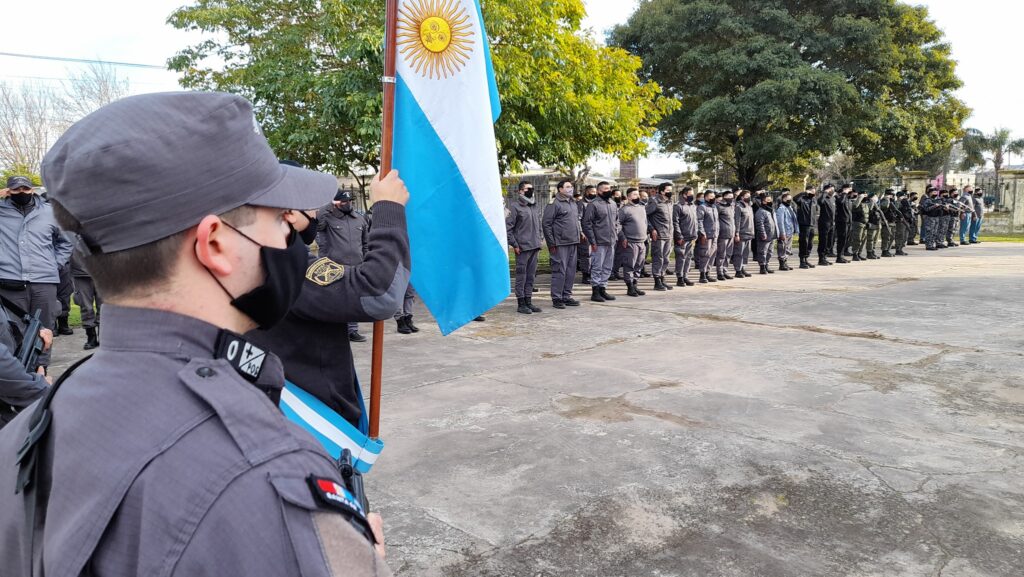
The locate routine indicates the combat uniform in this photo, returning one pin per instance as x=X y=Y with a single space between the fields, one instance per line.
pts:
x=767 y=231
x=844 y=222
x=659 y=220
x=33 y=249
x=874 y=223
x=524 y=231
x=726 y=239
x=633 y=231
x=601 y=227
x=87 y=298
x=707 y=243
x=684 y=228
x=860 y=214
x=806 y=217
x=342 y=236
x=744 y=221
x=562 y=232
x=826 y=228
x=888 y=220
x=785 y=218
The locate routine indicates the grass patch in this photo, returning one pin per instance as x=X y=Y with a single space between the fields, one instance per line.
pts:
x=1016 y=237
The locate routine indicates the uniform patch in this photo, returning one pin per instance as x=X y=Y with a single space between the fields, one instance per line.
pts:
x=335 y=496
x=325 y=271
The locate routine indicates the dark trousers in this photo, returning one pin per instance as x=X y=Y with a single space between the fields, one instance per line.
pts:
x=842 y=238
x=826 y=239
x=583 y=258
x=806 y=241
x=526 y=272
x=65 y=289
x=407 y=302
x=563 y=271
x=88 y=300
x=41 y=296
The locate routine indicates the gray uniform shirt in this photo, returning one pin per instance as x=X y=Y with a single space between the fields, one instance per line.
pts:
x=176 y=465
x=523 y=225
x=32 y=246
x=659 y=217
x=968 y=201
x=744 y=220
x=633 y=220
x=342 y=237
x=707 y=220
x=765 y=224
x=726 y=221
x=684 y=221
x=562 y=222
x=979 y=206
x=601 y=222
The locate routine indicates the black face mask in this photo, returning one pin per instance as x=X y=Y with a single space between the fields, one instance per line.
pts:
x=635 y=201
x=591 y=196
x=787 y=202
x=346 y=208
x=308 y=234
x=607 y=195
x=710 y=200
x=726 y=201
x=285 y=269
x=528 y=193
x=618 y=202
x=689 y=199
x=22 y=198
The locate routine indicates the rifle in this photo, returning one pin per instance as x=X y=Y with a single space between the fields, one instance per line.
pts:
x=32 y=344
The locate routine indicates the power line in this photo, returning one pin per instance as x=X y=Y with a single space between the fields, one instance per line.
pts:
x=83 y=60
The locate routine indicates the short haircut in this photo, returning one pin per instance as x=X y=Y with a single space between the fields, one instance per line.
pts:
x=687 y=189
x=707 y=192
x=562 y=183
x=663 y=186
x=590 y=187
x=631 y=190
x=523 y=184
x=140 y=270
x=604 y=183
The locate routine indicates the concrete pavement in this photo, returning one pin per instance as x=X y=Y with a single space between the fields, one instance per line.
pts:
x=860 y=420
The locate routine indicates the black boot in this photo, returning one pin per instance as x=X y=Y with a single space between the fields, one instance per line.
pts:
x=886 y=254
x=719 y=275
x=408 y=323
x=631 y=289
x=533 y=308
x=659 y=285
x=595 y=295
x=687 y=281
x=403 y=326
x=764 y=270
x=354 y=337
x=703 y=278
x=639 y=292
x=91 y=341
x=667 y=286
x=768 y=267
x=856 y=257
x=557 y=303
x=523 y=309
x=680 y=281
x=711 y=278
x=604 y=293
x=725 y=274
x=804 y=263
x=842 y=260
x=901 y=253
x=822 y=261
x=571 y=302
x=62 y=326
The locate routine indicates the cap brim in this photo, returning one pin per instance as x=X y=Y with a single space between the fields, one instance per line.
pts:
x=299 y=189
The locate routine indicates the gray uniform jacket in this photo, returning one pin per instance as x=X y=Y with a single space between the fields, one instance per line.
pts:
x=684 y=221
x=726 y=221
x=633 y=221
x=562 y=222
x=968 y=201
x=707 y=221
x=764 y=222
x=32 y=247
x=176 y=465
x=342 y=237
x=601 y=222
x=979 y=207
x=522 y=225
x=18 y=388
x=744 y=221
x=659 y=217
x=312 y=338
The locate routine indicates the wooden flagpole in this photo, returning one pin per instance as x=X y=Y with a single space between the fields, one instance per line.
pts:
x=386 y=145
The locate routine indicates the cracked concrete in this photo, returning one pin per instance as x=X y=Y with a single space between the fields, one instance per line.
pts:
x=861 y=420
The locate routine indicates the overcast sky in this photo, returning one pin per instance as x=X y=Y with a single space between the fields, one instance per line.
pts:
x=983 y=34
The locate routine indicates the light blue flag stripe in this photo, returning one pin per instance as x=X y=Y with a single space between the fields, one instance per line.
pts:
x=329 y=428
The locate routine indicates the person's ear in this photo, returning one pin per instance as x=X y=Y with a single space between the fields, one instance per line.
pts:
x=215 y=246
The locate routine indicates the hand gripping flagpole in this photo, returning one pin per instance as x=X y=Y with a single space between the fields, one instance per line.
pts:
x=386 y=145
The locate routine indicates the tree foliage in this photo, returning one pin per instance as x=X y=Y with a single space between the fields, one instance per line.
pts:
x=979 y=149
x=312 y=69
x=764 y=82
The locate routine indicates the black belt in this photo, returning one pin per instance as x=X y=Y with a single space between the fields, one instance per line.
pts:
x=13 y=285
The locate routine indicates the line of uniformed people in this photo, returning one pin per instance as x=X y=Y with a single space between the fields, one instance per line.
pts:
x=603 y=232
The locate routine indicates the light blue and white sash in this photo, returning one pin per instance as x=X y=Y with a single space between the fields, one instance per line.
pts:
x=330 y=428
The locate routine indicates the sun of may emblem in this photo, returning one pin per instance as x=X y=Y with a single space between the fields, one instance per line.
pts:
x=435 y=37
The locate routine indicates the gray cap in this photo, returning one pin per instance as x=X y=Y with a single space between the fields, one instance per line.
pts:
x=150 y=166
x=18 y=182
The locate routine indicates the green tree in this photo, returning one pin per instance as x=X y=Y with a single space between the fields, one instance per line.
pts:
x=20 y=170
x=979 y=149
x=312 y=70
x=763 y=82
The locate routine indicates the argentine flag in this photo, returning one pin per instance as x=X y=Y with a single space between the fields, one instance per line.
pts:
x=446 y=103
